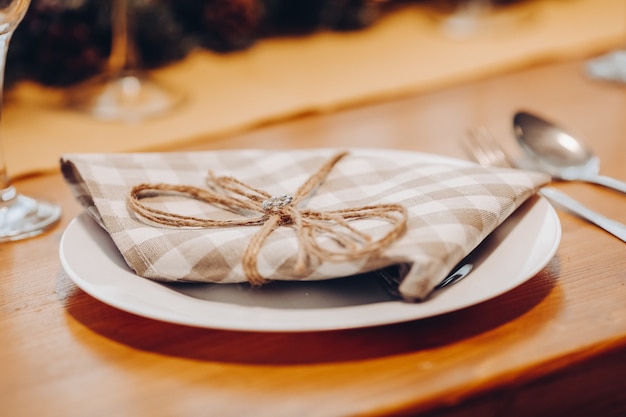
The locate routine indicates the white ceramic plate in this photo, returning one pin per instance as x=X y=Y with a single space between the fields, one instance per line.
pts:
x=511 y=255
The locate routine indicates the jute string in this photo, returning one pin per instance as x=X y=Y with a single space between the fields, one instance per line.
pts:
x=233 y=195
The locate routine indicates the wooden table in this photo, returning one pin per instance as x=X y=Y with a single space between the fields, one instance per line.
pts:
x=556 y=345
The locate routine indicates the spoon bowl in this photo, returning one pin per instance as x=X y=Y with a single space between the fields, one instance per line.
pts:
x=559 y=153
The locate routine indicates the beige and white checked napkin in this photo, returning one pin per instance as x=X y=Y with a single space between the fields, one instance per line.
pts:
x=451 y=208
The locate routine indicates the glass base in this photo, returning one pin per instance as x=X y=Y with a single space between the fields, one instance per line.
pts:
x=127 y=97
x=480 y=18
x=608 y=67
x=22 y=217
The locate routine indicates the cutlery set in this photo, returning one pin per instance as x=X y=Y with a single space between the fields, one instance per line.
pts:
x=552 y=150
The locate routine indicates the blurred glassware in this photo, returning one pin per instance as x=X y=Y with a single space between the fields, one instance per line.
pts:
x=123 y=92
x=462 y=19
x=608 y=67
x=20 y=216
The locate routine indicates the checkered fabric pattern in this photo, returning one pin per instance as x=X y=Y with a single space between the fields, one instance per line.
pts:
x=452 y=207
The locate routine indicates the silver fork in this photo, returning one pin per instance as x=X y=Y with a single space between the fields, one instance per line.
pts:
x=392 y=276
x=487 y=152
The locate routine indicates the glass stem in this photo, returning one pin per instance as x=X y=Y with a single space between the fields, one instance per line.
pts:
x=123 y=53
x=7 y=192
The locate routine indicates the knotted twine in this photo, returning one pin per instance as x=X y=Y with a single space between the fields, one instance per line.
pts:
x=233 y=195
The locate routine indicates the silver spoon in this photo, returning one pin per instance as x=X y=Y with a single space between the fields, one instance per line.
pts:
x=559 y=153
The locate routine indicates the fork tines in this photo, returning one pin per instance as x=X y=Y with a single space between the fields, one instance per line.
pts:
x=484 y=148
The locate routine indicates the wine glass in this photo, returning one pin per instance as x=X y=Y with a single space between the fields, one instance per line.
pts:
x=20 y=216
x=123 y=92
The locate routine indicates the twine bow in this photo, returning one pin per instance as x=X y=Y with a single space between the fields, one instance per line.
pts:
x=274 y=211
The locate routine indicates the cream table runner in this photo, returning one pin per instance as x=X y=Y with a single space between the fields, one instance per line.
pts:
x=403 y=53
